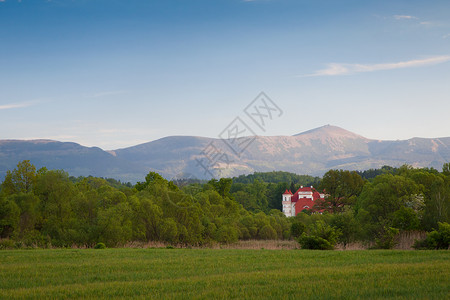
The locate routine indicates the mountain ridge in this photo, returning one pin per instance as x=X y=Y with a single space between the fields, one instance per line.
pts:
x=311 y=152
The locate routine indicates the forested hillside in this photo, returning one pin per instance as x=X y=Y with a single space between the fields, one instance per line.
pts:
x=49 y=208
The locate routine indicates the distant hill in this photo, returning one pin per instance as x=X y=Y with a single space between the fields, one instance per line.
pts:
x=71 y=157
x=312 y=152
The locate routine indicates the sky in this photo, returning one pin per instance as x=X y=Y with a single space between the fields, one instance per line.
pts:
x=114 y=74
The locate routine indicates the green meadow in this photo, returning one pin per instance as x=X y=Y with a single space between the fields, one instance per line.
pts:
x=224 y=273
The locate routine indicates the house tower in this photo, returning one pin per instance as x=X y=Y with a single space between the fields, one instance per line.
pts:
x=288 y=205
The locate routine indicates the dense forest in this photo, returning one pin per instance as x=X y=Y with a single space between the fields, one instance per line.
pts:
x=48 y=208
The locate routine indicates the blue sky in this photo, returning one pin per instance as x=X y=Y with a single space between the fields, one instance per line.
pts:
x=117 y=73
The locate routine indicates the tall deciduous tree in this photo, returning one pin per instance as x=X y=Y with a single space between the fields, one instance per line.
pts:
x=9 y=217
x=382 y=198
x=21 y=179
x=56 y=193
x=341 y=188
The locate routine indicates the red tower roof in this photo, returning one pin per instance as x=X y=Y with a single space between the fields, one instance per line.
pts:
x=287 y=192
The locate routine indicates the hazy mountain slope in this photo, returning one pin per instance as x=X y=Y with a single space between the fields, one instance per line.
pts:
x=71 y=157
x=418 y=152
x=312 y=152
x=169 y=156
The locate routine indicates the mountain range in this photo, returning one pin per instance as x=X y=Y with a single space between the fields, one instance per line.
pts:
x=312 y=152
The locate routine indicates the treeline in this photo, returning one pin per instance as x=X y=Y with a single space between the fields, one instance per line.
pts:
x=371 y=206
x=378 y=209
x=48 y=208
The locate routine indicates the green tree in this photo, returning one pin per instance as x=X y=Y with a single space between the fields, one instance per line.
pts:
x=9 y=217
x=267 y=233
x=446 y=169
x=347 y=225
x=222 y=186
x=384 y=204
x=437 y=202
x=152 y=179
x=149 y=216
x=20 y=180
x=387 y=194
x=274 y=191
x=29 y=212
x=115 y=225
x=406 y=219
x=297 y=228
x=259 y=190
x=226 y=234
x=169 y=231
x=247 y=200
x=56 y=193
x=341 y=189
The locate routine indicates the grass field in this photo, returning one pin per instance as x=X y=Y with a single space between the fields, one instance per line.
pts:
x=224 y=273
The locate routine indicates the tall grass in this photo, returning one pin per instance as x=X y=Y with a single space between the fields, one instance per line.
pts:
x=225 y=273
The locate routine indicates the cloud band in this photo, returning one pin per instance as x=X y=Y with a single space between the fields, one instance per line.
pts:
x=335 y=69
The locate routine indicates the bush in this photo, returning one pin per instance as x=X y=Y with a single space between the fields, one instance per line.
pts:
x=321 y=237
x=226 y=235
x=267 y=233
x=34 y=239
x=425 y=244
x=387 y=239
x=437 y=239
x=100 y=246
x=297 y=229
x=406 y=219
x=314 y=242
x=7 y=244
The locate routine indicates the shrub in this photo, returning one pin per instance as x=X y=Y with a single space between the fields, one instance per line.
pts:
x=387 y=239
x=19 y=245
x=314 y=242
x=321 y=237
x=425 y=244
x=7 y=244
x=267 y=233
x=437 y=239
x=34 y=238
x=244 y=234
x=297 y=229
x=406 y=219
x=100 y=246
x=226 y=235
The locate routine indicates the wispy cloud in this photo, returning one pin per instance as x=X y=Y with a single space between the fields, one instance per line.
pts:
x=335 y=69
x=416 y=20
x=404 y=17
x=16 y=105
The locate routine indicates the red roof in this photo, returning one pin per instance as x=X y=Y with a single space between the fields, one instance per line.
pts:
x=287 y=192
x=303 y=202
